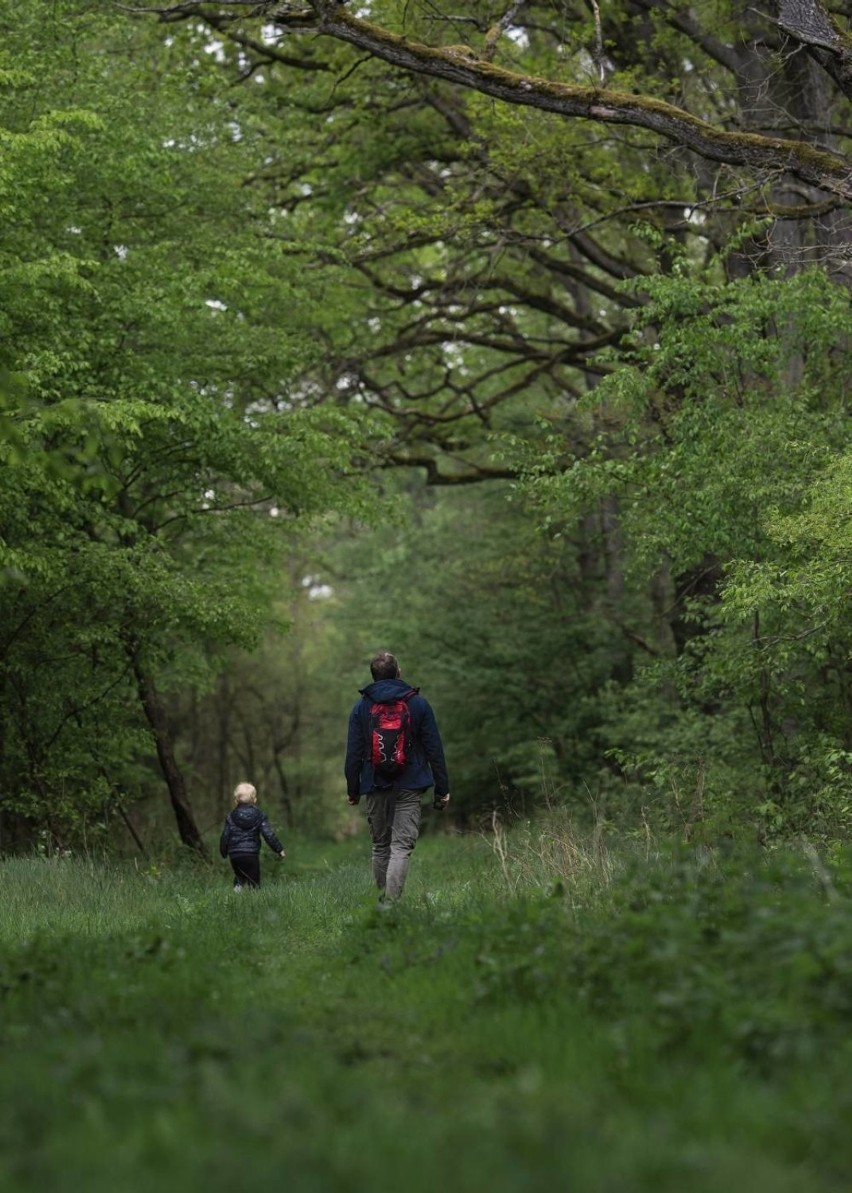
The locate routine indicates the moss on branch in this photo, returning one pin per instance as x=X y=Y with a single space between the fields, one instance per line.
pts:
x=818 y=167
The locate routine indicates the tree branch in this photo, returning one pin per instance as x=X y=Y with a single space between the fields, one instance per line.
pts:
x=460 y=65
x=818 y=167
x=475 y=473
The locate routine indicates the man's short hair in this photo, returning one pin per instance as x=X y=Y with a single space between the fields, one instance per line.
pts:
x=384 y=665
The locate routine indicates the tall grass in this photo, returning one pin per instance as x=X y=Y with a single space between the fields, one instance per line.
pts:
x=542 y=1011
x=536 y=854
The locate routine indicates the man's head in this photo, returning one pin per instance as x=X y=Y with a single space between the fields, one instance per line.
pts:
x=384 y=666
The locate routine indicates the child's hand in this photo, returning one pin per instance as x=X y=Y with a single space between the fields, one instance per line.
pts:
x=282 y=854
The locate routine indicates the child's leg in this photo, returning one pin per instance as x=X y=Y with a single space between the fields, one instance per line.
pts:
x=246 y=867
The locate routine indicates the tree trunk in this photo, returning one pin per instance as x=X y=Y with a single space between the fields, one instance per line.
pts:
x=156 y=717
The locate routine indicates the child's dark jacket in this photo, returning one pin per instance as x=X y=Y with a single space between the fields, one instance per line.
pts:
x=242 y=832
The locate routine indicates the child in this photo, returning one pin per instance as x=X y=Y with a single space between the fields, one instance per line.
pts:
x=240 y=840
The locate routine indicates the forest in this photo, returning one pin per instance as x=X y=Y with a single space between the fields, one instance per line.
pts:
x=525 y=358
x=510 y=336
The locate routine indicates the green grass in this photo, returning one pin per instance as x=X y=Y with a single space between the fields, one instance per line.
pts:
x=678 y=1029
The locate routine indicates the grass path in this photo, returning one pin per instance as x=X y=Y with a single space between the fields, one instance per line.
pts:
x=160 y=1033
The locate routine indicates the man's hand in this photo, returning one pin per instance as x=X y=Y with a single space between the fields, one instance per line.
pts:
x=440 y=802
x=353 y=800
x=282 y=854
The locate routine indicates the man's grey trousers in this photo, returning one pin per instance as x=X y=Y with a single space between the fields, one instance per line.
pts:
x=394 y=820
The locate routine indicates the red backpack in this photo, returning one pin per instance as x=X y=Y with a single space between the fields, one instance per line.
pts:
x=390 y=736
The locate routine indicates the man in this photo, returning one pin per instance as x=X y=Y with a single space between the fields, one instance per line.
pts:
x=393 y=754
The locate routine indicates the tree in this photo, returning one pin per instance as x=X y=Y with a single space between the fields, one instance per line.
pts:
x=275 y=711
x=807 y=23
x=490 y=240
x=727 y=447
x=520 y=264
x=156 y=469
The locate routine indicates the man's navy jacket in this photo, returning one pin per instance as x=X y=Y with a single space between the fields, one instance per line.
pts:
x=427 y=765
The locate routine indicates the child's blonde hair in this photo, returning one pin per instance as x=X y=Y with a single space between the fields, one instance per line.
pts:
x=244 y=793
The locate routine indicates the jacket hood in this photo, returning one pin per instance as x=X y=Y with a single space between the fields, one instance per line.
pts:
x=246 y=816
x=380 y=691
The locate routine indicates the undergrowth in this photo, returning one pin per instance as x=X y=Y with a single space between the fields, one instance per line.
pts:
x=624 y=1021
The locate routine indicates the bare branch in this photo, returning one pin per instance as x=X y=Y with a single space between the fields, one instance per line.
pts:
x=499 y=28
x=473 y=474
x=267 y=53
x=685 y=21
x=599 y=46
